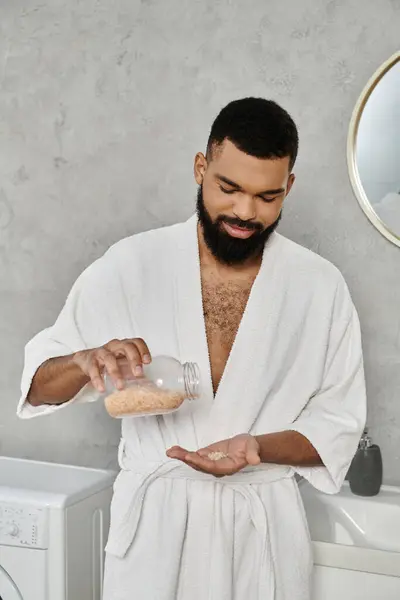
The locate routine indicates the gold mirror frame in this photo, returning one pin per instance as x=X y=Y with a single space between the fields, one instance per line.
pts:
x=352 y=146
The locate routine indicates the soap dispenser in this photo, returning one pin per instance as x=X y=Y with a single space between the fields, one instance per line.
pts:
x=365 y=474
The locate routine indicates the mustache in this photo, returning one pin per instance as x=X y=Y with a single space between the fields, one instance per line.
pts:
x=235 y=222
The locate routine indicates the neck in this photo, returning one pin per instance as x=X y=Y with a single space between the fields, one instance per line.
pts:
x=208 y=259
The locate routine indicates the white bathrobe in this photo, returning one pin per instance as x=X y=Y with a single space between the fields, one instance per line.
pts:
x=296 y=364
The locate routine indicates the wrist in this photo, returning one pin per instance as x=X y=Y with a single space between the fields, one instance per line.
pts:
x=76 y=362
x=265 y=449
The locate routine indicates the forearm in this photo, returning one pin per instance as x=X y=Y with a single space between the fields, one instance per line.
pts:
x=56 y=381
x=287 y=448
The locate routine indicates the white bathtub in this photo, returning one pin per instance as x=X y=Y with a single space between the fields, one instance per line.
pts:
x=356 y=544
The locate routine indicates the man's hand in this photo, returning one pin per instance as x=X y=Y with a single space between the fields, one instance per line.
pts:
x=59 y=379
x=241 y=451
x=94 y=363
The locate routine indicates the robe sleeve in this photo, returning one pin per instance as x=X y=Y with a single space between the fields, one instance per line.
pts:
x=334 y=418
x=76 y=328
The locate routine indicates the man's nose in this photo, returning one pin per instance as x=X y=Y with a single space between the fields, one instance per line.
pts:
x=245 y=207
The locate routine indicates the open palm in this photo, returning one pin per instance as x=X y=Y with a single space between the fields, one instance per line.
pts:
x=240 y=451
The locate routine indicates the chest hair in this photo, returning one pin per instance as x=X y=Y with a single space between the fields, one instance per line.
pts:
x=224 y=304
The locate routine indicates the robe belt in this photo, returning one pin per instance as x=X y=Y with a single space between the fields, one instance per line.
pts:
x=123 y=533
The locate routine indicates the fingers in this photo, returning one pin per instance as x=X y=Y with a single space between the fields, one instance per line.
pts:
x=94 y=363
x=218 y=468
x=178 y=453
x=193 y=459
x=253 y=452
x=253 y=458
x=94 y=372
x=205 y=452
x=135 y=359
x=89 y=364
x=135 y=350
x=143 y=350
x=130 y=351
x=109 y=362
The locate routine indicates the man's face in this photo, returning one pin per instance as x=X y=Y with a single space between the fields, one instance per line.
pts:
x=239 y=201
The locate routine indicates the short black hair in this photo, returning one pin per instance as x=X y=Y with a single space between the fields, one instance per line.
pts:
x=258 y=127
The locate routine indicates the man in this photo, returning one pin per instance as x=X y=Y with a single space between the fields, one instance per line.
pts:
x=277 y=339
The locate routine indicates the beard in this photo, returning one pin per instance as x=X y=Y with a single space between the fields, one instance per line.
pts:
x=225 y=248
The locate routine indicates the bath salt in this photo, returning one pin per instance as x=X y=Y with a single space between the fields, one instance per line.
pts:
x=142 y=400
x=217 y=455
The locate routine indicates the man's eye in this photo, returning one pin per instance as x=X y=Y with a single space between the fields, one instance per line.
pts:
x=268 y=199
x=226 y=191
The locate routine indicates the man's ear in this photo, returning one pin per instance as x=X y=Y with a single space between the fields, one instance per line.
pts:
x=291 y=180
x=200 y=167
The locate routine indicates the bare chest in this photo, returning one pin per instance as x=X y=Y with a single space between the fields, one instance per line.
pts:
x=223 y=305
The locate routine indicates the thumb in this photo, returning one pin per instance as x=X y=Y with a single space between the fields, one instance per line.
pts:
x=252 y=455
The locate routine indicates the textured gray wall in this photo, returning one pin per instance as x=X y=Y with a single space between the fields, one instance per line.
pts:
x=103 y=105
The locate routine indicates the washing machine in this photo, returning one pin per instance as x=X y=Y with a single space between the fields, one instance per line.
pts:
x=54 y=522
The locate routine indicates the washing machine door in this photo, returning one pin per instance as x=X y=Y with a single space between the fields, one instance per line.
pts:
x=8 y=589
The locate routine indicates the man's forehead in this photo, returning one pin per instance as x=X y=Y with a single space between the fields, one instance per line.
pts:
x=244 y=169
x=227 y=153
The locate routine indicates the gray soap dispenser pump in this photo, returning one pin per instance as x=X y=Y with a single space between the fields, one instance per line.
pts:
x=366 y=470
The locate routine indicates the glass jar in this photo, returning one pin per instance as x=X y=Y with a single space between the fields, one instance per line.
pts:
x=163 y=388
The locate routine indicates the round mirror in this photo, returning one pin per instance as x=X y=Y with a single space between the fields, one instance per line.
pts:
x=373 y=149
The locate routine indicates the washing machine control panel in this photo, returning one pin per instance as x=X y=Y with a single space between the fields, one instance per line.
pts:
x=23 y=525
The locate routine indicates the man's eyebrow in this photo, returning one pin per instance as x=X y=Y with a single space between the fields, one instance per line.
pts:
x=228 y=181
x=239 y=188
